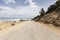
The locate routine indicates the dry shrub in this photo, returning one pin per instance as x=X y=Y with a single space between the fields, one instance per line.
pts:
x=13 y=24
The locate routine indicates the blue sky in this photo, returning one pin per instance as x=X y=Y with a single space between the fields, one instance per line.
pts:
x=26 y=9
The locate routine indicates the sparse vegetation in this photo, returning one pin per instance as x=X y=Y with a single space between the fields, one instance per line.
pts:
x=14 y=21
x=21 y=20
x=0 y=28
x=13 y=24
x=42 y=12
x=53 y=7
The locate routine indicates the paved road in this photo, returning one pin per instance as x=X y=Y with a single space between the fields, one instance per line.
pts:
x=29 y=31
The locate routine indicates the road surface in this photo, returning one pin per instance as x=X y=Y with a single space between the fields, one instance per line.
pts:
x=29 y=30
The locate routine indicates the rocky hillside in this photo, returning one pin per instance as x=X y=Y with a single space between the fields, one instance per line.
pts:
x=50 y=18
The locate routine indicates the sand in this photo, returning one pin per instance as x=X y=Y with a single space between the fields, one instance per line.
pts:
x=51 y=27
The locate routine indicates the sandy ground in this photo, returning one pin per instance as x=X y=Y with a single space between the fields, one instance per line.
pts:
x=51 y=27
x=7 y=24
x=29 y=30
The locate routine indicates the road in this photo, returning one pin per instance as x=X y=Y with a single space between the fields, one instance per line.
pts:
x=29 y=30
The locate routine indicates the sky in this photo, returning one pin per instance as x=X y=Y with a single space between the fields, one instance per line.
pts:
x=23 y=9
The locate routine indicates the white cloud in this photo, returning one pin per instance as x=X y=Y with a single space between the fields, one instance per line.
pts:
x=9 y=1
x=5 y=10
x=24 y=11
x=31 y=3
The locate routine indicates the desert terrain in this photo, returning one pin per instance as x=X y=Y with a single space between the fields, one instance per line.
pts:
x=7 y=24
x=29 y=30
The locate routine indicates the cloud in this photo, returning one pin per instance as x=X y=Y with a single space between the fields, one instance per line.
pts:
x=31 y=3
x=23 y=12
x=9 y=1
x=5 y=10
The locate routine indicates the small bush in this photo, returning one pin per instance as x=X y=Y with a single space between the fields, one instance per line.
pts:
x=14 y=21
x=13 y=24
x=0 y=28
